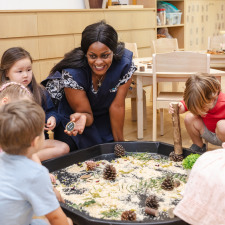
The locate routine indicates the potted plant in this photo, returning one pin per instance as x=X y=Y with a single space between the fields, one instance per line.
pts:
x=95 y=3
x=189 y=161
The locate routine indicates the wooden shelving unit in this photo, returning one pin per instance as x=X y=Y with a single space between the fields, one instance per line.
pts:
x=49 y=34
x=178 y=30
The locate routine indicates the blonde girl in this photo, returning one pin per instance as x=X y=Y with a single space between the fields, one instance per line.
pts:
x=12 y=92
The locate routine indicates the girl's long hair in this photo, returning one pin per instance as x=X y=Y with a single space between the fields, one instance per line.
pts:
x=97 y=32
x=9 y=58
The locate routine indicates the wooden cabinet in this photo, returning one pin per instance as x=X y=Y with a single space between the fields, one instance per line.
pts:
x=49 y=34
x=203 y=19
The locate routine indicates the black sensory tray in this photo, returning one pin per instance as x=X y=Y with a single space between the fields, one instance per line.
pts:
x=106 y=151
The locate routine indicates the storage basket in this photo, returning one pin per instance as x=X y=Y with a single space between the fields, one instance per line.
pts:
x=173 y=18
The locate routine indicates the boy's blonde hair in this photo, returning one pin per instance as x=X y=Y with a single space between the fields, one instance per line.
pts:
x=14 y=91
x=20 y=123
x=199 y=92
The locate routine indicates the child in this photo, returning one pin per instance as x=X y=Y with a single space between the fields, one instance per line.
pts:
x=206 y=103
x=25 y=186
x=203 y=201
x=12 y=91
x=16 y=65
x=16 y=91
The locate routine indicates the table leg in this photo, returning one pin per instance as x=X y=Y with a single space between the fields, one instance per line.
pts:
x=139 y=107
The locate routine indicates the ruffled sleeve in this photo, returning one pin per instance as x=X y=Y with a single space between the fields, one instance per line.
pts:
x=56 y=86
x=125 y=77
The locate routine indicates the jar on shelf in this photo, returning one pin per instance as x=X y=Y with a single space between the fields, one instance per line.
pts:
x=161 y=14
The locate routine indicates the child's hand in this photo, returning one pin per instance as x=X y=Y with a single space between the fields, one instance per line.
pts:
x=80 y=121
x=52 y=177
x=180 y=105
x=51 y=123
x=223 y=145
x=58 y=195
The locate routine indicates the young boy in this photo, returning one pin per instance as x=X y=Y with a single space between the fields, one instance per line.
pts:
x=25 y=185
x=206 y=119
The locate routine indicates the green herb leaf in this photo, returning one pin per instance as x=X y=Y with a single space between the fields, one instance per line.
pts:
x=111 y=213
x=190 y=160
x=88 y=203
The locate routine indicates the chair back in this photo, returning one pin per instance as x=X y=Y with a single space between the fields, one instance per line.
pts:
x=181 y=61
x=174 y=66
x=163 y=45
x=216 y=42
x=133 y=48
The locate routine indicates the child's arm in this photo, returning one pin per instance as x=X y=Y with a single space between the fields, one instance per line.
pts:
x=181 y=108
x=51 y=123
x=36 y=159
x=58 y=217
x=58 y=195
x=50 y=110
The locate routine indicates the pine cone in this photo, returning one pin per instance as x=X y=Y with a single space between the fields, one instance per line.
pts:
x=176 y=158
x=91 y=165
x=128 y=215
x=152 y=202
x=168 y=184
x=119 y=150
x=109 y=172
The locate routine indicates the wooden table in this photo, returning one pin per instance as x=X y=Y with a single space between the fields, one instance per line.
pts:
x=217 y=61
x=145 y=78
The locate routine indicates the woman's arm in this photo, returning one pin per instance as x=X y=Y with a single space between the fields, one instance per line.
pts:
x=117 y=111
x=79 y=103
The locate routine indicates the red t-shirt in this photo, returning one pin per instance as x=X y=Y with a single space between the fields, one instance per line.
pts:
x=215 y=114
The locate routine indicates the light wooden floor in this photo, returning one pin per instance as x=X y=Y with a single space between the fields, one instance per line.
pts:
x=130 y=128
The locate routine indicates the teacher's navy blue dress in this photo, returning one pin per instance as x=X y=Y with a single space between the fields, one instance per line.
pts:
x=81 y=78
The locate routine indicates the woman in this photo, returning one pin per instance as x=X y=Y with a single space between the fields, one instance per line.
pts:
x=91 y=83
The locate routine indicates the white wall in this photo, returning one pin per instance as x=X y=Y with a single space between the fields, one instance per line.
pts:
x=41 y=4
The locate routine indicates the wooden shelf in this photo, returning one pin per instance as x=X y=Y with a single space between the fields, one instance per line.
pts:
x=177 y=25
x=177 y=31
x=172 y=0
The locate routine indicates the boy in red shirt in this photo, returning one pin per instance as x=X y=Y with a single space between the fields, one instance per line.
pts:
x=206 y=119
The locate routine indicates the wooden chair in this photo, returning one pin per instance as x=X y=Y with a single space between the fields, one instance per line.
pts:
x=214 y=42
x=133 y=48
x=173 y=67
x=132 y=93
x=164 y=45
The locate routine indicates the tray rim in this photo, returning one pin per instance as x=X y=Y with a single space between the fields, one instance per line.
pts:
x=70 y=211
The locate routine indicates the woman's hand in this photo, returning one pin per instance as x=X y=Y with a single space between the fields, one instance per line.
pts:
x=180 y=106
x=80 y=122
x=51 y=123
